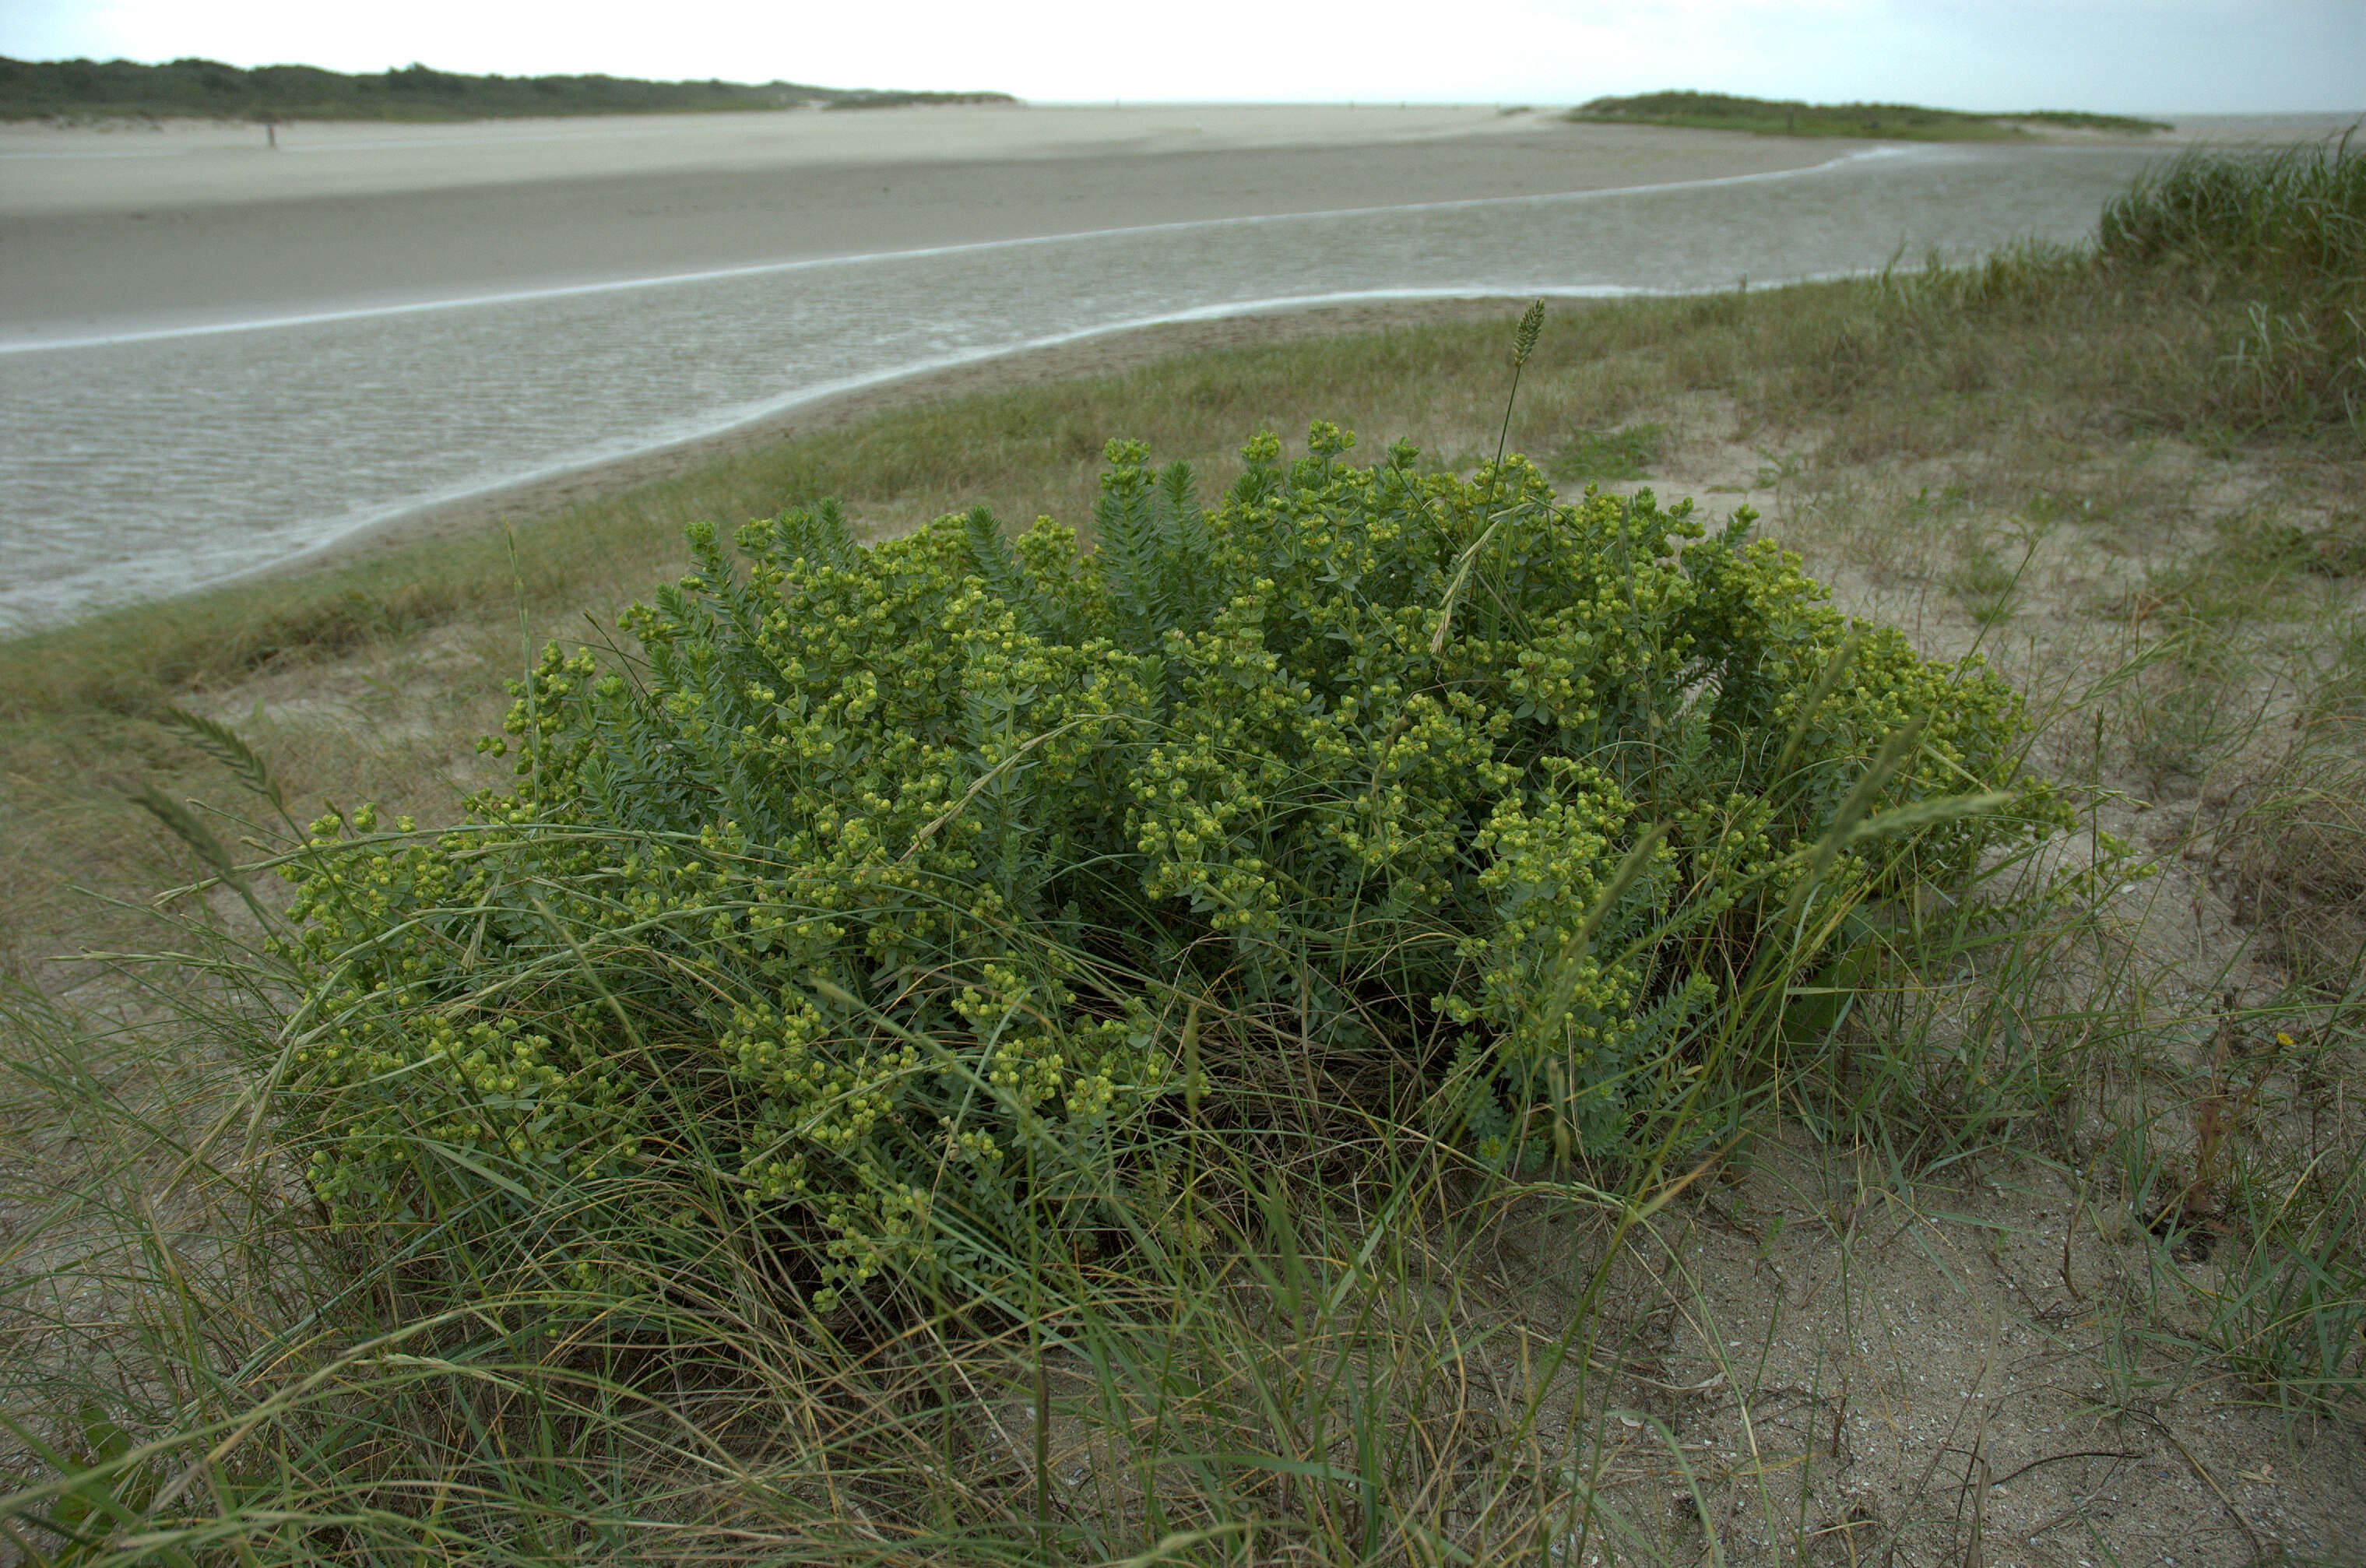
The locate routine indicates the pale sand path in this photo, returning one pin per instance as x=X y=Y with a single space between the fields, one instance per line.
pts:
x=128 y=230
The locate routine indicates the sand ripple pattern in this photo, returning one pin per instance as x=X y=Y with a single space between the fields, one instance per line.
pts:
x=141 y=467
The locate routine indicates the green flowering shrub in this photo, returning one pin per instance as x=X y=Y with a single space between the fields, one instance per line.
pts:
x=860 y=905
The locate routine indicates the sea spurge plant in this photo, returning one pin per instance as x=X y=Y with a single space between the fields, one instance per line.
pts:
x=860 y=904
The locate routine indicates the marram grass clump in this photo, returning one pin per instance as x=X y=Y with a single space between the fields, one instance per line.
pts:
x=890 y=902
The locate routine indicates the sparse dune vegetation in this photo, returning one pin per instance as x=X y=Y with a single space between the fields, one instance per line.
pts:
x=1776 y=980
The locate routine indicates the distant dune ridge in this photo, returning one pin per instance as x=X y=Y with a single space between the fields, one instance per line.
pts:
x=1791 y=117
x=207 y=90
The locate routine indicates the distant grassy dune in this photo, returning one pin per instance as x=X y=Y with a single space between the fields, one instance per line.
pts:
x=39 y=89
x=1909 y=122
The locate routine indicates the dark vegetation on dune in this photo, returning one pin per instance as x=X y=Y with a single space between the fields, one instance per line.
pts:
x=1791 y=117
x=207 y=90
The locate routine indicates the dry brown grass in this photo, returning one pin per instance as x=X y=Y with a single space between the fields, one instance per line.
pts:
x=2295 y=838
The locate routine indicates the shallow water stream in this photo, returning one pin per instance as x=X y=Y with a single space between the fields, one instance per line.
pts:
x=141 y=466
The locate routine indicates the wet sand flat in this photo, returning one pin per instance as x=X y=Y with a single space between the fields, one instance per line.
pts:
x=604 y=301
x=132 y=229
x=1109 y=356
x=185 y=456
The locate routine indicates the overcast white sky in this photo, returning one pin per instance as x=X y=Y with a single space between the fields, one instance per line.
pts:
x=2191 y=56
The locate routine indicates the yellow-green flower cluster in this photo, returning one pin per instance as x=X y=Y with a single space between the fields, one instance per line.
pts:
x=856 y=890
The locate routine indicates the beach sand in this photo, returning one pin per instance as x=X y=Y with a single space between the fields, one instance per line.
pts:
x=106 y=233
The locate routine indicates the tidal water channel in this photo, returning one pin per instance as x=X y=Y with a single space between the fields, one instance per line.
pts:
x=137 y=466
